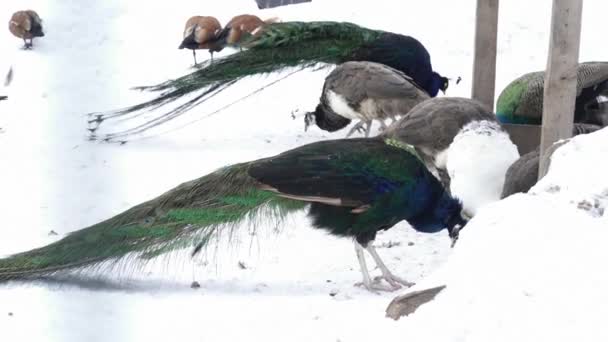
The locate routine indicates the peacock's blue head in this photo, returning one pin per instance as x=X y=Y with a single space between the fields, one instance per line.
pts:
x=438 y=83
x=447 y=213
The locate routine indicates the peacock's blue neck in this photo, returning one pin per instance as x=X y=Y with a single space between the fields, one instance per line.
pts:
x=445 y=210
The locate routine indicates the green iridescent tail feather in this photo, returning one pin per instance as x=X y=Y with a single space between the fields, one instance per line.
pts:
x=194 y=213
x=280 y=46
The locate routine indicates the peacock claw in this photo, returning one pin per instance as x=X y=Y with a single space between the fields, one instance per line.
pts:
x=394 y=281
x=392 y=284
x=359 y=128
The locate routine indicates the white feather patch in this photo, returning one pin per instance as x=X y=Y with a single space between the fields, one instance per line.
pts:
x=339 y=105
x=477 y=161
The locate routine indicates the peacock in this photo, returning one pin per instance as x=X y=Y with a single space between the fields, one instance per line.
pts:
x=521 y=102
x=349 y=187
x=522 y=175
x=276 y=47
x=26 y=25
x=462 y=144
x=365 y=91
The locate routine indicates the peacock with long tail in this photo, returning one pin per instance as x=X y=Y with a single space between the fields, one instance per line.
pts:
x=365 y=91
x=521 y=102
x=276 y=47
x=349 y=187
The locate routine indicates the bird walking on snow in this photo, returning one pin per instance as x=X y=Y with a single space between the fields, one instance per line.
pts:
x=242 y=28
x=350 y=187
x=26 y=25
x=279 y=46
x=521 y=102
x=201 y=32
x=462 y=144
x=365 y=91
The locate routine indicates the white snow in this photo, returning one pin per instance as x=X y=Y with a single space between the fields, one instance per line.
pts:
x=526 y=268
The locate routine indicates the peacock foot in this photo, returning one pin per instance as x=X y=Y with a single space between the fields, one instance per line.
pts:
x=394 y=281
x=390 y=284
x=359 y=128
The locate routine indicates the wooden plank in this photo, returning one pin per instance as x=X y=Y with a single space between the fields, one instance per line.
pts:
x=525 y=137
x=560 y=77
x=484 y=67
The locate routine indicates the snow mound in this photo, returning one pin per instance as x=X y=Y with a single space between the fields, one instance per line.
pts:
x=529 y=268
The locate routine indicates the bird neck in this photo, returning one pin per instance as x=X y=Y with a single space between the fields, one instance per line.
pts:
x=445 y=213
x=436 y=84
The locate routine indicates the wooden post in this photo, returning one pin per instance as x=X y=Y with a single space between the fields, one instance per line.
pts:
x=484 y=67
x=560 y=77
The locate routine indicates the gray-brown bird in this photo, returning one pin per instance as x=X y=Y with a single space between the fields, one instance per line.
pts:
x=364 y=91
x=522 y=175
x=201 y=32
x=26 y=25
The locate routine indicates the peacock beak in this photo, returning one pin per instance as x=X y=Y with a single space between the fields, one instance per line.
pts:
x=454 y=233
x=309 y=120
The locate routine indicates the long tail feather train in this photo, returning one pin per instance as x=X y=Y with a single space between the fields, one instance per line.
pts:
x=190 y=215
x=278 y=46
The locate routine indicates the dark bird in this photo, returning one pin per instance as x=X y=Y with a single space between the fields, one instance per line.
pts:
x=242 y=28
x=462 y=143
x=521 y=102
x=365 y=91
x=350 y=187
x=279 y=46
x=201 y=32
x=26 y=25
x=522 y=175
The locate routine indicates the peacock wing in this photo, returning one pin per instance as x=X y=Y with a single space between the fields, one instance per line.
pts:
x=351 y=172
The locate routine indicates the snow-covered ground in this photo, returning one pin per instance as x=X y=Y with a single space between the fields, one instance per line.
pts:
x=52 y=178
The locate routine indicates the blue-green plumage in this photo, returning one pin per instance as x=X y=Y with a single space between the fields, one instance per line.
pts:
x=521 y=102
x=276 y=47
x=360 y=186
x=350 y=187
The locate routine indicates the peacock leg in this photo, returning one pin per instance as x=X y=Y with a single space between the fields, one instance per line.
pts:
x=356 y=127
x=368 y=128
x=194 y=55
x=387 y=275
x=367 y=281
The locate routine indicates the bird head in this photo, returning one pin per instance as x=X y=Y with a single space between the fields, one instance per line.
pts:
x=309 y=120
x=438 y=82
x=455 y=225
